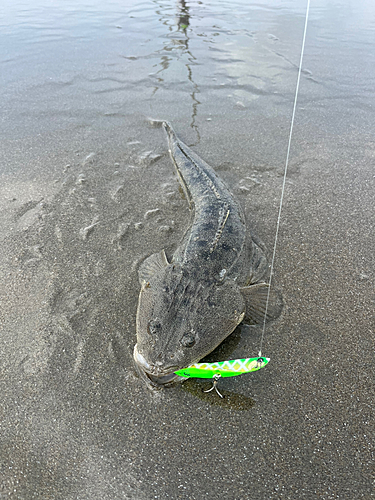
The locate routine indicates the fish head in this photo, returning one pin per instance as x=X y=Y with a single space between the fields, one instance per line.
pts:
x=180 y=320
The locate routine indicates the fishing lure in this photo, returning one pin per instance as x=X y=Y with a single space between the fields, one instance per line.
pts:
x=229 y=368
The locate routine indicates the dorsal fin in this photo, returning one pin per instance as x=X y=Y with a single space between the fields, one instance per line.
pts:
x=151 y=265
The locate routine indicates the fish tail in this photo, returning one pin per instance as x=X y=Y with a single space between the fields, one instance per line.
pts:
x=169 y=130
x=166 y=125
x=160 y=123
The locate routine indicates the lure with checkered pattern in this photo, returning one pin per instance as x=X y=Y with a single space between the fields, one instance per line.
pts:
x=230 y=368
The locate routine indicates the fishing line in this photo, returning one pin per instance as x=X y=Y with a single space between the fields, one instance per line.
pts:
x=234 y=367
x=284 y=178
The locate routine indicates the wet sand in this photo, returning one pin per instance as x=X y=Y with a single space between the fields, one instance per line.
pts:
x=88 y=190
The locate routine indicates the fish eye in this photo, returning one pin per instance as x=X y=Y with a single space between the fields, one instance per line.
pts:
x=153 y=327
x=188 y=340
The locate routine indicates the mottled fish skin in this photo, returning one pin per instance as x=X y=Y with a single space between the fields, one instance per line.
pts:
x=189 y=305
x=217 y=236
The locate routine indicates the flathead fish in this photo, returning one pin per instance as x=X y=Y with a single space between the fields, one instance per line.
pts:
x=190 y=303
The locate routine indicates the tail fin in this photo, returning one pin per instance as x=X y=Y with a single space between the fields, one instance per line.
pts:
x=170 y=132
x=163 y=123
x=156 y=123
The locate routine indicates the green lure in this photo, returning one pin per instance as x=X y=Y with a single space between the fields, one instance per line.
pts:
x=230 y=368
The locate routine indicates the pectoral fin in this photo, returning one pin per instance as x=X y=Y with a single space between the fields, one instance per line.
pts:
x=258 y=263
x=152 y=265
x=256 y=298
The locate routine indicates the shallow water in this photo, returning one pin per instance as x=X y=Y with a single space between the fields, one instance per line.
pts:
x=88 y=190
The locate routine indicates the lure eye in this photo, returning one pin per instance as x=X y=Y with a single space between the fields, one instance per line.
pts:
x=188 y=340
x=153 y=327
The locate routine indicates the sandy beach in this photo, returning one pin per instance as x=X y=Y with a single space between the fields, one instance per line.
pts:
x=88 y=190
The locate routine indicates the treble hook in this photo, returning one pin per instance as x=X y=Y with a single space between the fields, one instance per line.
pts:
x=216 y=378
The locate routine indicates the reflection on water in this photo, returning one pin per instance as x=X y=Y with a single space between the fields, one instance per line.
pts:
x=71 y=63
x=182 y=46
x=183 y=17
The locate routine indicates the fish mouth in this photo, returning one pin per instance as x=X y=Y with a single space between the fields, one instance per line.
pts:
x=156 y=375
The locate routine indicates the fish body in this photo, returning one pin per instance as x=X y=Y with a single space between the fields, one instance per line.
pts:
x=217 y=235
x=189 y=304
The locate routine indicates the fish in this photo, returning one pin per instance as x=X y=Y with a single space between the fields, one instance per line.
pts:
x=189 y=303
